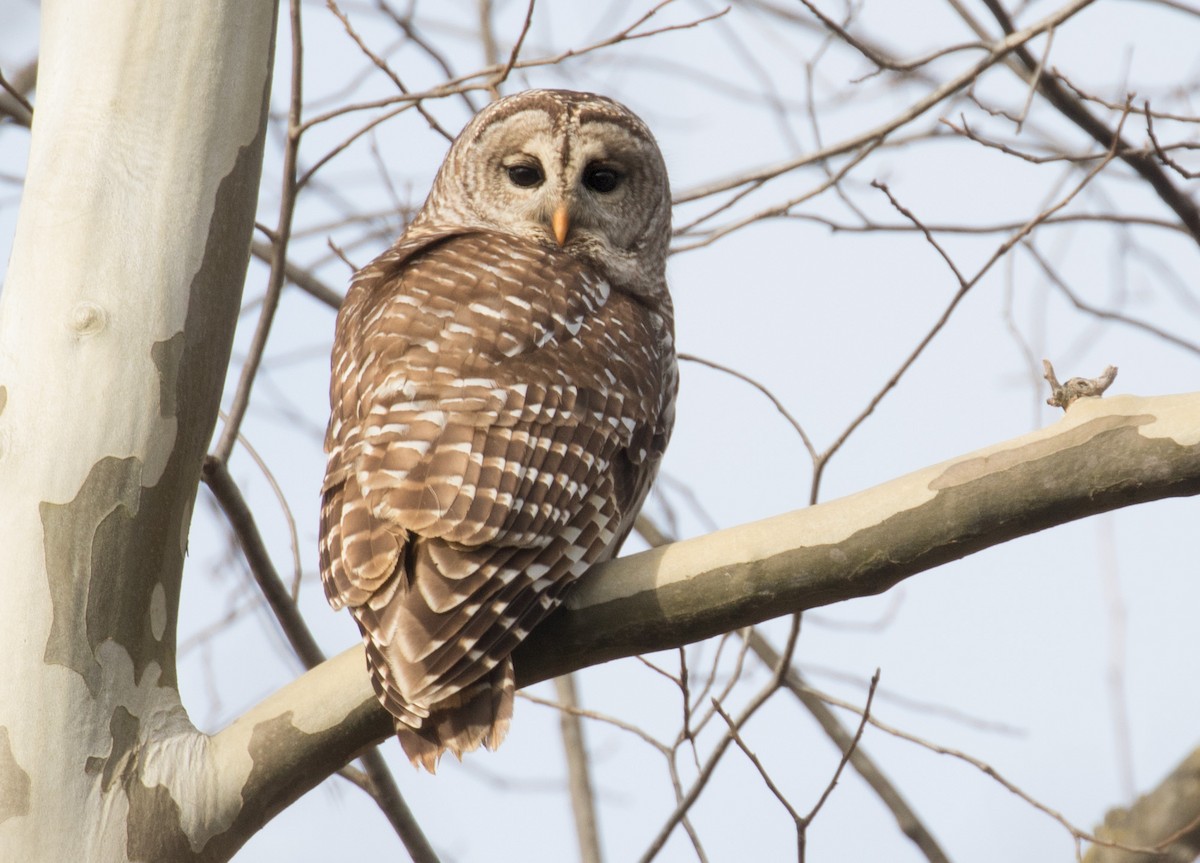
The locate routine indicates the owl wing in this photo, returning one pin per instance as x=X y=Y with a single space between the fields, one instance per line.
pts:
x=498 y=414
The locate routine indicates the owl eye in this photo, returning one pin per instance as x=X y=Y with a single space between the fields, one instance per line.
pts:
x=601 y=179
x=525 y=176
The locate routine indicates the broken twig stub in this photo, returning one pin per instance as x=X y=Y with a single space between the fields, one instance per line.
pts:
x=1062 y=395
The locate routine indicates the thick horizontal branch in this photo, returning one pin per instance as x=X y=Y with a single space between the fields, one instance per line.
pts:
x=1104 y=454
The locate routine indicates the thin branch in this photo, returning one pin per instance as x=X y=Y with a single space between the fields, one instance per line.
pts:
x=487 y=36
x=300 y=277
x=1075 y=111
x=1162 y=156
x=779 y=406
x=1105 y=314
x=383 y=66
x=502 y=75
x=478 y=80
x=583 y=802
x=287 y=204
x=848 y=753
x=293 y=537
x=404 y=22
x=16 y=105
x=706 y=772
x=620 y=724
x=241 y=519
x=1034 y=79
x=777 y=211
x=987 y=769
x=965 y=286
x=998 y=51
x=909 y=822
x=1066 y=220
x=796 y=817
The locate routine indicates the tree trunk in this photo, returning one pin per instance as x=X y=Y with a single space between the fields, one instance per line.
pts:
x=116 y=323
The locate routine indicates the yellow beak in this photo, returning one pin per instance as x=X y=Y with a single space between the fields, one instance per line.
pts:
x=560 y=222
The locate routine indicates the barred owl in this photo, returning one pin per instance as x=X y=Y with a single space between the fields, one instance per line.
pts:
x=503 y=388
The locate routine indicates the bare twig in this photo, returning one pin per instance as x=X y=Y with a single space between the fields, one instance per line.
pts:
x=383 y=66
x=796 y=817
x=848 y=752
x=779 y=406
x=1034 y=79
x=597 y=716
x=405 y=23
x=487 y=36
x=478 y=80
x=1162 y=156
x=287 y=205
x=693 y=793
x=908 y=821
x=500 y=77
x=299 y=276
x=1105 y=314
x=965 y=286
x=297 y=569
x=998 y=51
x=16 y=105
x=583 y=802
x=1079 y=834
x=1075 y=111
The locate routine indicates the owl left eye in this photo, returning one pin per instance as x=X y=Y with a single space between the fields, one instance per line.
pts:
x=601 y=179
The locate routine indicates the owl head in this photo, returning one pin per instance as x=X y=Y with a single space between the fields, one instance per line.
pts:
x=569 y=170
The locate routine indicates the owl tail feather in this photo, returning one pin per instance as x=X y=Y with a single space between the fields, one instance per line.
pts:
x=478 y=715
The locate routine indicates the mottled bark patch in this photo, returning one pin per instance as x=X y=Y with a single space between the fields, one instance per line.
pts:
x=973 y=469
x=106 y=550
x=269 y=739
x=154 y=831
x=14 y=782
x=288 y=761
x=125 y=729
x=167 y=356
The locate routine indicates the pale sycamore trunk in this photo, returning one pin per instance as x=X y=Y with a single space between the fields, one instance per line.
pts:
x=116 y=322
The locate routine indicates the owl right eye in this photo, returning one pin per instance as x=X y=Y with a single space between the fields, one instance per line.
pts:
x=525 y=176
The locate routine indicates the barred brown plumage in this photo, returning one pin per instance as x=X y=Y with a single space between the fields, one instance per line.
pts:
x=502 y=392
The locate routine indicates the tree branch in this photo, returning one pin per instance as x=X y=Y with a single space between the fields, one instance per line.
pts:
x=1075 y=111
x=579 y=780
x=1104 y=454
x=906 y=819
x=997 y=52
x=1166 y=818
